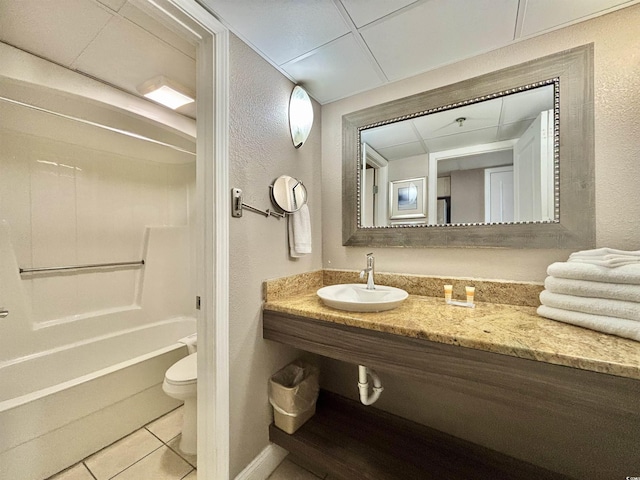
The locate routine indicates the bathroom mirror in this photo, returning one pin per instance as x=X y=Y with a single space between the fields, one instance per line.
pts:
x=288 y=194
x=500 y=160
x=493 y=162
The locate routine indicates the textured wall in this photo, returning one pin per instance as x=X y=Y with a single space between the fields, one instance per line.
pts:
x=260 y=151
x=557 y=442
x=617 y=83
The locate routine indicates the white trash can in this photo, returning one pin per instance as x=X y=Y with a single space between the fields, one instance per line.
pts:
x=293 y=392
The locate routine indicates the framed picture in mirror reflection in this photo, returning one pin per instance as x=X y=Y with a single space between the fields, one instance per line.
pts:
x=408 y=199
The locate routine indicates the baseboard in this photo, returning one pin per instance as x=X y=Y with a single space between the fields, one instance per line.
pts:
x=264 y=464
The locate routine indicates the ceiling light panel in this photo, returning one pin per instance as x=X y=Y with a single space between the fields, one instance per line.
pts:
x=434 y=33
x=169 y=97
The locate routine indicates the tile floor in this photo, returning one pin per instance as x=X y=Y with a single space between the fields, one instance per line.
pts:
x=151 y=453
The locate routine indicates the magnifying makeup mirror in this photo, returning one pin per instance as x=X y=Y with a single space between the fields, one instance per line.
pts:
x=288 y=194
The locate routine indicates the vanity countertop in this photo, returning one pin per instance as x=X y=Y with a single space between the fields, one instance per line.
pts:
x=499 y=328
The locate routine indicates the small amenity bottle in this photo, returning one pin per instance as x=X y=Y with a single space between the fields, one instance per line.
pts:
x=448 y=292
x=470 y=294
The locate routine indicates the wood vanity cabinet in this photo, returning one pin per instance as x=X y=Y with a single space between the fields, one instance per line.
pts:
x=351 y=441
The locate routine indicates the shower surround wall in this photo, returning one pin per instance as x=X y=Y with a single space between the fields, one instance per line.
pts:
x=74 y=194
x=64 y=204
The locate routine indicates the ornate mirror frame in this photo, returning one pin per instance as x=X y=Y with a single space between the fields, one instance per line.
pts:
x=574 y=150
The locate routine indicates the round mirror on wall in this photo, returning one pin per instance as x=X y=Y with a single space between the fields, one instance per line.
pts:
x=288 y=194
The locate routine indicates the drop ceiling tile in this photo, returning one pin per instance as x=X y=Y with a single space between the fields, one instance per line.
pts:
x=510 y=131
x=51 y=29
x=389 y=135
x=473 y=162
x=476 y=137
x=111 y=57
x=363 y=13
x=282 y=30
x=540 y=15
x=114 y=5
x=334 y=71
x=527 y=105
x=439 y=32
x=154 y=27
x=478 y=115
x=406 y=150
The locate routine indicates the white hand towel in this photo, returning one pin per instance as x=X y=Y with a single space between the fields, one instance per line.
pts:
x=627 y=274
x=300 y=232
x=584 y=288
x=594 y=306
x=612 y=325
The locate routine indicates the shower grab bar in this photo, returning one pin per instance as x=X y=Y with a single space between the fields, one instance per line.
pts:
x=80 y=267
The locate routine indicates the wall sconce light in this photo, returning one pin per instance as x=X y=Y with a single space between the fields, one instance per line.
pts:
x=300 y=116
x=167 y=92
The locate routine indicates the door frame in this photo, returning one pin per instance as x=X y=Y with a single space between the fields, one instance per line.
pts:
x=211 y=39
x=435 y=157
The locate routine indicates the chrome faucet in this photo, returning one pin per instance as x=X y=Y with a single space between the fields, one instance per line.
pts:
x=370 y=270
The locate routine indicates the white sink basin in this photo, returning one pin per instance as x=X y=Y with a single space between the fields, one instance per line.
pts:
x=354 y=297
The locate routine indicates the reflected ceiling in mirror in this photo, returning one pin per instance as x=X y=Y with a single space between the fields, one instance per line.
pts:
x=413 y=147
x=493 y=159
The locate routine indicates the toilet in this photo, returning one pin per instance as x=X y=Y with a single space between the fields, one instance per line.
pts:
x=181 y=382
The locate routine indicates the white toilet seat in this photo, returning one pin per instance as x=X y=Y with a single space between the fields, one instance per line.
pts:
x=184 y=371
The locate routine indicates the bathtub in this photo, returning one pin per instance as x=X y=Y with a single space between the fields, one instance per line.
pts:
x=58 y=406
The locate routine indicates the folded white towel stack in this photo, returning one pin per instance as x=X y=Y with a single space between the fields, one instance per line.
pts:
x=626 y=274
x=597 y=289
x=593 y=306
x=586 y=288
x=300 y=232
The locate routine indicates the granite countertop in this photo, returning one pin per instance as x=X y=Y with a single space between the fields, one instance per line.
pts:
x=499 y=328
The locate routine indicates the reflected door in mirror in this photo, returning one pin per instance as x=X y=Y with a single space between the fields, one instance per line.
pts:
x=498 y=198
